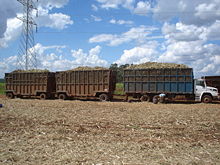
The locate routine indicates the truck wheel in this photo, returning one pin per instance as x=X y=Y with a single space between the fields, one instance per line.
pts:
x=43 y=96
x=145 y=98
x=156 y=99
x=103 y=97
x=162 y=100
x=206 y=99
x=62 y=96
x=10 y=95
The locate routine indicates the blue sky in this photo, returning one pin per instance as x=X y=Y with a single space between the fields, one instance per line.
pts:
x=75 y=33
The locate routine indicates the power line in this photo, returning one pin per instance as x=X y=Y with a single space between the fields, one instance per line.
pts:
x=27 y=56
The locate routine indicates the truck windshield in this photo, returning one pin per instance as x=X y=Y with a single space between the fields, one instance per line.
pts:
x=200 y=83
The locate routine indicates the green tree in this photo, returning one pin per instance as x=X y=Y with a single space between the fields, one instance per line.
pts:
x=119 y=70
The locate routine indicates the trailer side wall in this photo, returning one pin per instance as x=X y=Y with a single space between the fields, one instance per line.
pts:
x=30 y=83
x=159 y=81
x=85 y=83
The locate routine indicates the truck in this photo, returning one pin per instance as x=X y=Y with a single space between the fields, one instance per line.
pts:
x=28 y=84
x=164 y=84
x=86 y=83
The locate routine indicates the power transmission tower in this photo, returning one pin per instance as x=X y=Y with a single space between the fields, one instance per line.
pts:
x=27 y=58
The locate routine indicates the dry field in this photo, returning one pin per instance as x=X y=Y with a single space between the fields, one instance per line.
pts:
x=90 y=132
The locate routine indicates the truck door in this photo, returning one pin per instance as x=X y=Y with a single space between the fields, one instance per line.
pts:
x=200 y=87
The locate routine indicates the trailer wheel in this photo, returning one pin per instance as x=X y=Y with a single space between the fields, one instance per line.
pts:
x=206 y=99
x=145 y=98
x=103 y=97
x=10 y=95
x=43 y=96
x=62 y=96
x=156 y=99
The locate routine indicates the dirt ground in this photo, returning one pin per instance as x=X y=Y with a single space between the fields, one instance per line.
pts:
x=52 y=132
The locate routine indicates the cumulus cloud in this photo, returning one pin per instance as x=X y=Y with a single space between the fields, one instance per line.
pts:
x=96 y=19
x=50 y=4
x=94 y=7
x=55 y=61
x=10 y=27
x=55 y=20
x=189 y=44
x=89 y=59
x=139 y=8
x=138 y=34
x=197 y=12
x=142 y=8
x=204 y=58
x=12 y=32
x=213 y=32
x=182 y=32
x=140 y=54
x=106 y=4
x=121 y=22
x=8 y=9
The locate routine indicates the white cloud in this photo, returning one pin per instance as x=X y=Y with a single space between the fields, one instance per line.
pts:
x=106 y=4
x=14 y=29
x=94 y=7
x=143 y=8
x=10 y=28
x=204 y=58
x=139 y=54
x=50 y=4
x=55 y=20
x=197 y=12
x=213 y=31
x=90 y=59
x=8 y=9
x=208 y=11
x=182 y=32
x=139 y=8
x=138 y=34
x=96 y=19
x=55 y=62
x=121 y=22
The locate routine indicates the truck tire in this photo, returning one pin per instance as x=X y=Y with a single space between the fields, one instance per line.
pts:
x=10 y=95
x=62 y=96
x=145 y=98
x=206 y=99
x=162 y=100
x=156 y=99
x=103 y=97
x=43 y=96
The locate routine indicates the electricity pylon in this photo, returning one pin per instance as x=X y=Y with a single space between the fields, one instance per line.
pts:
x=27 y=58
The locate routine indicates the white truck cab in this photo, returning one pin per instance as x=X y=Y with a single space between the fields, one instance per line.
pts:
x=204 y=93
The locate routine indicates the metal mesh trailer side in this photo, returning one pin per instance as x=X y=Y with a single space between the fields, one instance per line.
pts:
x=30 y=83
x=157 y=81
x=85 y=83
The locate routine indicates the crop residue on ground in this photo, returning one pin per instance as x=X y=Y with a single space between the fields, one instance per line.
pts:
x=90 y=132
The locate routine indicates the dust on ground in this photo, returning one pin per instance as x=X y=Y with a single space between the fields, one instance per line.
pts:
x=36 y=131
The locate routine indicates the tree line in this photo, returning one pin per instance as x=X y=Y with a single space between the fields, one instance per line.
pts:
x=119 y=70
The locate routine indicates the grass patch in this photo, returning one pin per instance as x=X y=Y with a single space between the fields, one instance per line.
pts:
x=2 y=88
x=119 y=89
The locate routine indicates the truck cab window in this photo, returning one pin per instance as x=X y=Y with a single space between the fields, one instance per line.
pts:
x=200 y=83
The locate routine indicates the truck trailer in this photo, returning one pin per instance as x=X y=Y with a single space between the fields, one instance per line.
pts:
x=28 y=84
x=167 y=84
x=86 y=83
